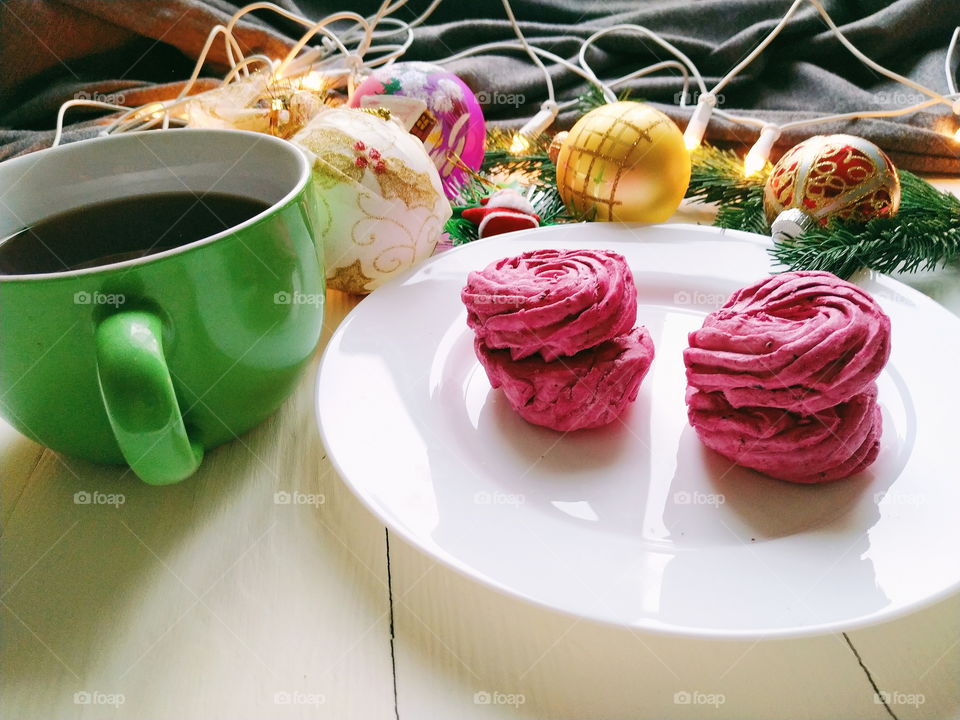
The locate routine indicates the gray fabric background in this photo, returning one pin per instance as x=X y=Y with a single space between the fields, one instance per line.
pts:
x=51 y=50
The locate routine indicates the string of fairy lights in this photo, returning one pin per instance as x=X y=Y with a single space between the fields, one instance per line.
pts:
x=337 y=61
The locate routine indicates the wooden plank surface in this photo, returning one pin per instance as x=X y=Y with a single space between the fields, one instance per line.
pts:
x=215 y=598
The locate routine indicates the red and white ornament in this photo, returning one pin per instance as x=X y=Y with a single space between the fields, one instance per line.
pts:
x=504 y=211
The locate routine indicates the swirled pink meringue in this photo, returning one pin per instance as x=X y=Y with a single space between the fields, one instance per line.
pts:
x=552 y=302
x=801 y=341
x=829 y=445
x=587 y=390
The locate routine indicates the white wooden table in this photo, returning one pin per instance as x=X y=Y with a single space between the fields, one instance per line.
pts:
x=216 y=599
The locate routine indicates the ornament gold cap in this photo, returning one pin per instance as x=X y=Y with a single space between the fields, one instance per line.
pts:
x=553 y=152
x=380 y=112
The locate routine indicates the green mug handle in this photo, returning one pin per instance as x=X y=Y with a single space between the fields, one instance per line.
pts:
x=138 y=395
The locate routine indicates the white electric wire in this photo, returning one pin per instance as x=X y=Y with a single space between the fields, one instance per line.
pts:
x=362 y=33
x=935 y=98
x=359 y=19
x=396 y=50
x=759 y=48
x=657 y=67
x=514 y=45
x=417 y=22
x=140 y=118
x=202 y=57
x=861 y=114
x=676 y=52
x=740 y=119
x=370 y=25
x=551 y=97
x=948 y=62
x=876 y=67
x=843 y=40
x=320 y=27
x=58 y=135
x=576 y=69
x=425 y=14
x=235 y=70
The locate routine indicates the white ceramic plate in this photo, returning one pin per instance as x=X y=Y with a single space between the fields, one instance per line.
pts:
x=637 y=524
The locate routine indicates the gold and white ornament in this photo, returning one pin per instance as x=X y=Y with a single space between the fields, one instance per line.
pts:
x=625 y=162
x=259 y=103
x=377 y=204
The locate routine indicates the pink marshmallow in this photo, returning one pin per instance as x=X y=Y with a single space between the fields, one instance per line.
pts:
x=801 y=341
x=586 y=390
x=552 y=302
x=829 y=445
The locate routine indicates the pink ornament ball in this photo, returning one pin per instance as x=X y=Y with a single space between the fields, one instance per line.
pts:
x=437 y=107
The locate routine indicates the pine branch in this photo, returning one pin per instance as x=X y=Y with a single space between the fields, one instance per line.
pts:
x=534 y=161
x=717 y=177
x=746 y=215
x=917 y=195
x=923 y=235
x=594 y=98
x=591 y=99
x=912 y=240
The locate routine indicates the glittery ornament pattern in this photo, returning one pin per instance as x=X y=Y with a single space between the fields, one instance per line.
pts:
x=833 y=176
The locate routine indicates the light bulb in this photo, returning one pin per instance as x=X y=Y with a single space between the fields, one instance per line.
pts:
x=956 y=135
x=312 y=81
x=760 y=152
x=520 y=144
x=153 y=111
x=693 y=135
x=535 y=126
x=753 y=164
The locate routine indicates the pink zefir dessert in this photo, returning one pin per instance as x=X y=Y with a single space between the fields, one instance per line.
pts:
x=587 y=390
x=801 y=341
x=829 y=445
x=553 y=303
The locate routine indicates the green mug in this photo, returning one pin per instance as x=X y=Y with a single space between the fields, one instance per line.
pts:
x=149 y=361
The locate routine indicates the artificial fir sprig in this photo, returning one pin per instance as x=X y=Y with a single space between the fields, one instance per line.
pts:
x=538 y=184
x=717 y=177
x=533 y=162
x=923 y=235
x=745 y=215
x=594 y=98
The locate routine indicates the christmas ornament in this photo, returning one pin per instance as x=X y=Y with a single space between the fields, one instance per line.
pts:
x=502 y=212
x=923 y=235
x=377 y=204
x=832 y=176
x=624 y=161
x=259 y=103
x=437 y=107
x=553 y=150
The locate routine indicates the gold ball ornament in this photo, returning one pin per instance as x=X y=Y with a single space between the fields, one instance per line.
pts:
x=833 y=176
x=623 y=162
